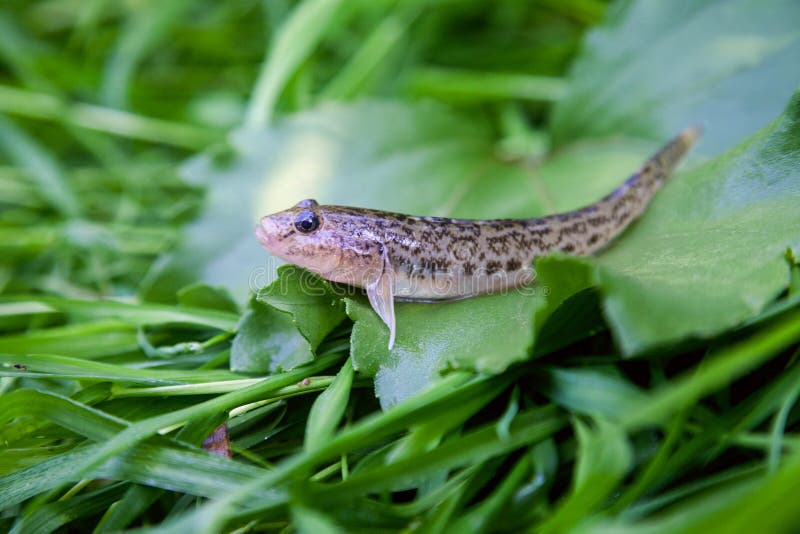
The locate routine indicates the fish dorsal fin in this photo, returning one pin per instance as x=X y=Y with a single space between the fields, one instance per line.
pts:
x=381 y=294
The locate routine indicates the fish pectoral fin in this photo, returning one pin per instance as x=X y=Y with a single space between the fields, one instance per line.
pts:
x=381 y=295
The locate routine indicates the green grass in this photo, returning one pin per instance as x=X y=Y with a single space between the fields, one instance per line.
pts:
x=651 y=388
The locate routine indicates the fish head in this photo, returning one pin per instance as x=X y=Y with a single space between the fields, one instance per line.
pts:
x=303 y=235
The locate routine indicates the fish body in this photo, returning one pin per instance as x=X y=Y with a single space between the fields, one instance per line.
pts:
x=397 y=256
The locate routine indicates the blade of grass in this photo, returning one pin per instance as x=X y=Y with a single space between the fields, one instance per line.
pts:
x=719 y=433
x=41 y=365
x=328 y=410
x=749 y=504
x=464 y=85
x=63 y=411
x=428 y=434
x=142 y=430
x=159 y=465
x=292 y=44
x=481 y=517
x=20 y=52
x=439 y=518
x=87 y=340
x=51 y=108
x=124 y=239
x=602 y=460
x=740 y=476
x=778 y=429
x=51 y=516
x=720 y=369
x=350 y=80
x=654 y=468
x=313 y=385
x=310 y=520
x=50 y=180
x=143 y=31
x=429 y=403
x=755 y=440
x=122 y=513
x=133 y=314
x=162 y=462
x=473 y=447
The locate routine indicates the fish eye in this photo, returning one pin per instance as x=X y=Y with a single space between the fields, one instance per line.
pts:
x=306 y=222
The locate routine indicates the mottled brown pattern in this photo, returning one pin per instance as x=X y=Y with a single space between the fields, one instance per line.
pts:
x=440 y=258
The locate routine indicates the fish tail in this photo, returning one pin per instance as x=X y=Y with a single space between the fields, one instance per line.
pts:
x=656 y=170
x=589 y=229
x=629 y=200
x=674 y=151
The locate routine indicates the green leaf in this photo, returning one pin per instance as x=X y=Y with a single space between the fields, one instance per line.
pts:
x=485 y=333
x=655 y=67
x=286 y=322
x=314 y=307
x=710 y=252
x=571 y=311
x=267 y=341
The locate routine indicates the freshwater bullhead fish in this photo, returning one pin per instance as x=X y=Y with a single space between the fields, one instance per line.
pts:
x=413 y=258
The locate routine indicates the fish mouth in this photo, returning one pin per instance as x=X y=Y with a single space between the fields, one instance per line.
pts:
x=266 y=230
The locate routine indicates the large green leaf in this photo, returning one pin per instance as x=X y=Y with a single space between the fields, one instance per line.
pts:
x=708 y=254
x=485 y=333
x=711 y=251
x=655 y=67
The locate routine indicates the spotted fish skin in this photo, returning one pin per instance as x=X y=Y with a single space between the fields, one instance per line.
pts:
x=434 y=258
